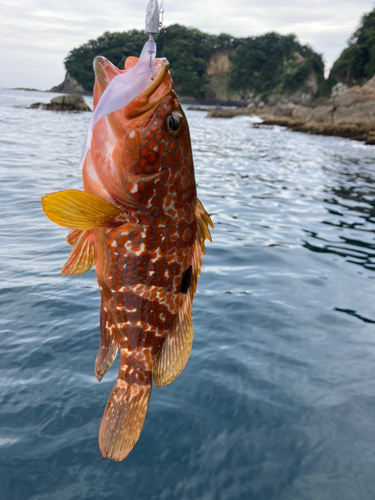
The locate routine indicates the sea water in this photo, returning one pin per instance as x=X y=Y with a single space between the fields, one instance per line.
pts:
x=277 y=400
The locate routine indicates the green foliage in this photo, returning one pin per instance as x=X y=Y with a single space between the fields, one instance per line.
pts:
x=356 y=63
x=325 y=87
x=268 y=62
x=114 y=46
x=294 y=82
x=187 y=49
x=259 y=64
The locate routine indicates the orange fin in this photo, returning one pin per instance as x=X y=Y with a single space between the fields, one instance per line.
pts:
x=125 y=412
x=123 y=419
x=78 y=210
x=108 y=346
x=203 y=221
x=83 y=257
x=73 y=236
x=175 y=352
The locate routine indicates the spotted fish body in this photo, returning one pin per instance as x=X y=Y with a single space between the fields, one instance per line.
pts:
x=140 y=221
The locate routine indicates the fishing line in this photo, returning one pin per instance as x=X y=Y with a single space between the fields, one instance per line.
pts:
x=124 y=87
x=161 y=13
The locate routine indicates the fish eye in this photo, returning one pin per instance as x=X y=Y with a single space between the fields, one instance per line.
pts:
x=174 y=124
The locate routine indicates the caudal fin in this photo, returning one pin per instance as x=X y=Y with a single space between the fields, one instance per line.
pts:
x=125 y=412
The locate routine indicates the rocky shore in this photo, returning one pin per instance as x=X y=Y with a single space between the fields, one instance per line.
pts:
x=72 y=102
x=70 y=86
x=350 y=113
x=354 y=132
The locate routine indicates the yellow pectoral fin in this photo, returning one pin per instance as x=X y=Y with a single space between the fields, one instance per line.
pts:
x=78 y=210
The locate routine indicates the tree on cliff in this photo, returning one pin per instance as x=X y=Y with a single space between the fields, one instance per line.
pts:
x=356 y=63
x=187 y=49
x=259 y=65
x=114 y=46
x=274 y=63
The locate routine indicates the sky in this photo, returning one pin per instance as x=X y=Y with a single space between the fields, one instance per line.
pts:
x=36 y=35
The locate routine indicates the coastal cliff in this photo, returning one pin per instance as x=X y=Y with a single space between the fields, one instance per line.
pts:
x=70 y=86
x=213 y=69
x=343 y=105
x=273 y=76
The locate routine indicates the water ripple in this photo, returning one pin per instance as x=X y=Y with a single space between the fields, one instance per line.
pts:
x=277 y=400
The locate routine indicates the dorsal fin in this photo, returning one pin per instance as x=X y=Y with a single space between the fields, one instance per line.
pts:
x=203 y=221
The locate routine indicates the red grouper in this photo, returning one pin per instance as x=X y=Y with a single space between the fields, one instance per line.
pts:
x=140 y=222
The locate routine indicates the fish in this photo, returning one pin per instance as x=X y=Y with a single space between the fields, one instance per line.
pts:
x=139 y=221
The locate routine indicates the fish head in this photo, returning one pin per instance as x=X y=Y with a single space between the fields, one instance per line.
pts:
x=141 y=153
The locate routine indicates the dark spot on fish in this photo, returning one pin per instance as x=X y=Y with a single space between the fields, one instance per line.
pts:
x=186 y=280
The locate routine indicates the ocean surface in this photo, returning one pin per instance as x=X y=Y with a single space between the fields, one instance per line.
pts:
x=277 y=401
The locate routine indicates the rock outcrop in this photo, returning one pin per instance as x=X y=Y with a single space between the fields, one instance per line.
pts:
x=349 y=114
x=338 y=89
x=218 y=74
x=70 y=86
x=356 y=105
x=365 y=133
x=73 y=102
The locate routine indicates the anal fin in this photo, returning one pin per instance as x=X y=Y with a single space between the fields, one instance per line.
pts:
x=83 y=256
x=174 y=353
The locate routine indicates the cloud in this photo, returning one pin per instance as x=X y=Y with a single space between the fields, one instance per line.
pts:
x=36 y=35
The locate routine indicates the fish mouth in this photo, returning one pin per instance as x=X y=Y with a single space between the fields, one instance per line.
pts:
x=159 y=87
x=142 y=106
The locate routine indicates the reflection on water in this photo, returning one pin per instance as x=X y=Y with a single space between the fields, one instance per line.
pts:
x=353 y=313
x=277 y=399
x=351 y=207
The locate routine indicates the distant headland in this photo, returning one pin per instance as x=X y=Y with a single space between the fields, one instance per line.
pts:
x=271 y=75
x=211 y=69
x=223 y=69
